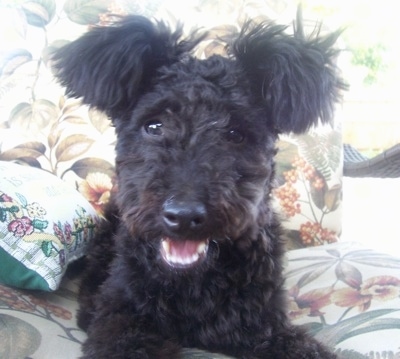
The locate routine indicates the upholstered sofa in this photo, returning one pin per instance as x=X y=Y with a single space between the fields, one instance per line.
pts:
x=57 y=173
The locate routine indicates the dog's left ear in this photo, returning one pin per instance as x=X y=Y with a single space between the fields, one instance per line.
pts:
x=110 y=67
x=295 y=77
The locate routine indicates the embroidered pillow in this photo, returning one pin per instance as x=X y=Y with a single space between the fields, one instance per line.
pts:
x=44 y=225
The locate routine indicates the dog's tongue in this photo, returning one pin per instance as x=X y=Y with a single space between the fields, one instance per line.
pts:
x=183 y=252
x=183 y=248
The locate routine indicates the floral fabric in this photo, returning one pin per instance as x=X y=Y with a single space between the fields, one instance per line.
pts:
x=39 y=325
x=309 y=190
x=44 y=225
x=347 y=296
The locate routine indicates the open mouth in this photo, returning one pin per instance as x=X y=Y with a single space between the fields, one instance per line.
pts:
x=183 y=253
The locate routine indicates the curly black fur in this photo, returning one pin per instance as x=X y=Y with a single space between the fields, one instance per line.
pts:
x=190 y=254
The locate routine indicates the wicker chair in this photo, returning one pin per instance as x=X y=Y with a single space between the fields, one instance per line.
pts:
x=384 y=165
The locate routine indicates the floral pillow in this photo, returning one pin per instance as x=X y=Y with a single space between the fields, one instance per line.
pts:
x=44 y=225
x=308 y=195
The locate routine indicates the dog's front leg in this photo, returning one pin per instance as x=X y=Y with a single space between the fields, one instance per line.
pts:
x=120 y=336
x=293 y=343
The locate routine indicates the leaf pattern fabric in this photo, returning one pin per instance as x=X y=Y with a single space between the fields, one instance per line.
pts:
x=347 y=296
x=344 y=294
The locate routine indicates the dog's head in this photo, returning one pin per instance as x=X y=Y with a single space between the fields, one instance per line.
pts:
x=196 y=137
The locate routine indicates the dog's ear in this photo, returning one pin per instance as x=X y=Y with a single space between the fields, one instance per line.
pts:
x=110 y=66
x=295 y=77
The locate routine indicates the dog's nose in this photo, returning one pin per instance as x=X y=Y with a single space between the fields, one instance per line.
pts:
x=182 y=216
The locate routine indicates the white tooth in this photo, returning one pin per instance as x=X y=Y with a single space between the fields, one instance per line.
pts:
x=201 y=248
x=166 y=246
x=183 y=261
x=174 y=259
x=193 y=258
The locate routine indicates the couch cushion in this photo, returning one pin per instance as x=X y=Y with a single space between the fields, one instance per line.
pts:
x=345 y=294
x=348 y=296
x=44 y=225
x=40 y=325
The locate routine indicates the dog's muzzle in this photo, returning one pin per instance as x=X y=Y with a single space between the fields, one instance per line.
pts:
x=184 y=220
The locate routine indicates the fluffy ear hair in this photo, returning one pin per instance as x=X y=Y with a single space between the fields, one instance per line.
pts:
x=110 y=66
x=294 y=76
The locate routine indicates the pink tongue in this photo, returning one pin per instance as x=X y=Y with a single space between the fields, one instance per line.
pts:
x=183 y=248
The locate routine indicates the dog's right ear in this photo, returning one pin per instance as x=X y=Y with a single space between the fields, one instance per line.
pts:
x=294 y=76
x=111 y=66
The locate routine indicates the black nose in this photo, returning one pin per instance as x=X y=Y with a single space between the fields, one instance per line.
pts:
x=184 y=216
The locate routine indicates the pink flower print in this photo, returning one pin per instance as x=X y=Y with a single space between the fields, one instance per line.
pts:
x=68 y=233
x=5 y=198
x=58 y=232
x=21 y=226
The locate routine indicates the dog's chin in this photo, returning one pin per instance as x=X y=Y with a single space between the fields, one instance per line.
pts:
x=183 y=253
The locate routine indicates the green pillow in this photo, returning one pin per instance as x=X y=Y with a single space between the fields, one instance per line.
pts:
x=44 y=225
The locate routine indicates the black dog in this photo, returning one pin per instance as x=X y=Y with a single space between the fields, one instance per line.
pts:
x=191 y=255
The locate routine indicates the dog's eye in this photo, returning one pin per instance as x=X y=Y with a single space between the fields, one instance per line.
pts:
x=154 y=128
x=234 y=136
